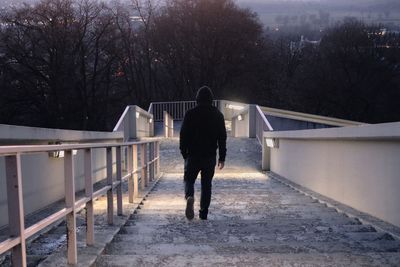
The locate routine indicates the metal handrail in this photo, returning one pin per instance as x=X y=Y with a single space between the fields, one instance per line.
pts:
x=176 y=109
x=264 y=118
x=149 y=169
x=121 y=119
x=308 y=117
x=262 y=124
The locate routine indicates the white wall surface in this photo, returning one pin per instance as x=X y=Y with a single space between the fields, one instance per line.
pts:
x=240 y=128
x=357 y=166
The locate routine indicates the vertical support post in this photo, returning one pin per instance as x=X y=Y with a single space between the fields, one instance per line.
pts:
x=130 y=178
x=146 y=154
x=155 y=159
x=143 y=162
x=233 y=127
x=266 y=155
x=119 y=179
x=151 y=170
x=252 y=121
x=159 y=157
x=72 y=256
x=151 y=125
x=88 y=171
x=166 y=124
x=171 y=127
x=110 y=204
x=135 y=169
x=16 y=208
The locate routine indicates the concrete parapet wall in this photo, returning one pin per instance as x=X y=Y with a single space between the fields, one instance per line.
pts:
x=12 y=134
x=135 y=123
x=240 y=127
x=358 y=166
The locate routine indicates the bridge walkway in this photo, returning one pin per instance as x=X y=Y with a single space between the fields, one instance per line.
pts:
x=254 y=220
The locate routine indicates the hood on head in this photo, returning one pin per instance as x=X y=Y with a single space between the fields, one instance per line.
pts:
x=204 y=95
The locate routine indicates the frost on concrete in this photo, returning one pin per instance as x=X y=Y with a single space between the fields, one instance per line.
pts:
x=253 y=221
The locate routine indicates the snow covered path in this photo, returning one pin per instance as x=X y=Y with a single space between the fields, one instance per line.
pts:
x=254 y=220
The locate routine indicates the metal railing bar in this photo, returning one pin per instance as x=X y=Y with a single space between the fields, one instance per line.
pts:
x=173 y=102
x=115 y=184
x=261 y=113
x=126 y=176
x=121 y=119
x=26 y=149
x=149 y=159
x=79 y=204
x=152 y=161
x=137 y=170
x=9 y=244
x=40 y=225
x=101 y=191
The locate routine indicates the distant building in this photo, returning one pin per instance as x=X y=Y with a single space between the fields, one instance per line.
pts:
x=300 y=45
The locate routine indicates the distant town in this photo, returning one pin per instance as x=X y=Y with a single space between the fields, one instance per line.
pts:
x=321 y=13
x=274 y=13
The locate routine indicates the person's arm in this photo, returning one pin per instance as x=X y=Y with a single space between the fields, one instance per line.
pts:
x=221 y=141
x=183 y=137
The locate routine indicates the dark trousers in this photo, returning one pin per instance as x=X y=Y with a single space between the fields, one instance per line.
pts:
x=206 y=167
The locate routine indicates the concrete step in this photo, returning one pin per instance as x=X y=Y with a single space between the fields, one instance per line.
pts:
x=226 y=228
x=371 y=236
x=221 y=217
x=252 y=259
x=165 y=219
x=232 y=248
x=232 y=237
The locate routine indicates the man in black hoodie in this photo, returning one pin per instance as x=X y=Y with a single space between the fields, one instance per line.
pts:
x=203 y=131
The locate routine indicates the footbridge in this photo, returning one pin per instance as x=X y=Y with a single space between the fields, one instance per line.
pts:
x=297 y=190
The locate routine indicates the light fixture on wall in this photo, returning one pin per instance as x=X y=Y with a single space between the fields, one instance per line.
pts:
x=137 y=115
x=234 y=107
x=56 y=154
x=151 y=120
x=60 y=153
x=240 y=118
x=272 y=142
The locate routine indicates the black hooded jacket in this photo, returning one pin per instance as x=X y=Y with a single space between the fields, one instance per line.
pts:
x=203 y=131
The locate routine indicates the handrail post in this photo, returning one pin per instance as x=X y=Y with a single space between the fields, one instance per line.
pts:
x=119 y=179
x=151 y=173
x=144 y=167
x=135 y=170
x=266 y=151
x=72 y=256
x=166 y=125
x=146 y=156
x=130 y=172
x=16 y=208
x=171 y=127
x=110 y=204
x=158 y=158
x=89 y=193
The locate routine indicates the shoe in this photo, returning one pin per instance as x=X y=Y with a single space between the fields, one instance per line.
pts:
x=202 y=215
x=189 y=208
